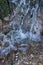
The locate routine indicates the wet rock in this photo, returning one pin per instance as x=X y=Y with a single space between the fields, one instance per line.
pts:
x=8 y=18
x=6 y=44
x=6 y=29
x=0 y=43
x=16 y=58
x=41 y=32
x=1 y=36
x=22 y=49
x=22 y=38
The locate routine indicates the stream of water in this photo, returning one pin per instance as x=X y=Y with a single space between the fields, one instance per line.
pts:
x=19 y=37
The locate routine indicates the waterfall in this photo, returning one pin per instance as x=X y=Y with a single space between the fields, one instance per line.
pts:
x=21 y=33
x=34 y=21
x=14 y=36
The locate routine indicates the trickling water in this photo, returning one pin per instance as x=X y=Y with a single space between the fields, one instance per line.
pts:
x=33 y=22
x=35 y=36
x=15 y=36
x=22 y=34
x=22 y=1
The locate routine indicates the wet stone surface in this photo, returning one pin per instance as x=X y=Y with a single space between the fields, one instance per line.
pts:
x=22 y=51
x=21 y=40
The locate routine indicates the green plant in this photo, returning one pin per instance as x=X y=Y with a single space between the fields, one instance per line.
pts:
x=4 y=9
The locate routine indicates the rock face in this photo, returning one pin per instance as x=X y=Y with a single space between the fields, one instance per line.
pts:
x=0 y=25
x=23 y=34
x=41 y=9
